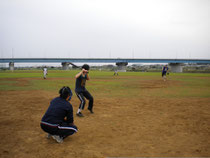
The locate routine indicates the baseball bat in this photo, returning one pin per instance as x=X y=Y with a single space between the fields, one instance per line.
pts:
x=75 y=65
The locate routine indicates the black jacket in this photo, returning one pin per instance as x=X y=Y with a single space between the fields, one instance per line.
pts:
x=59 y=109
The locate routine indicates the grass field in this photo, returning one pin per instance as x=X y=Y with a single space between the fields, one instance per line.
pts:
x=136 y=114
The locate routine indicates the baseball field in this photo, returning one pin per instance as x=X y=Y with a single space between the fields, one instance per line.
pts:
x=136 y=115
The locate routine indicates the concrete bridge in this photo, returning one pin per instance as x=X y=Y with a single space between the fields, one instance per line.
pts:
x=175 y=64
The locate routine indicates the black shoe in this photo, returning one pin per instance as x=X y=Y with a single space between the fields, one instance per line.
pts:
x=80 y=114
x=91 y=111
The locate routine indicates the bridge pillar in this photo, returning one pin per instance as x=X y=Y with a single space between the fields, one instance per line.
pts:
x=12 y=66
x=65 y=65
x=121 y=66
x=176 y=67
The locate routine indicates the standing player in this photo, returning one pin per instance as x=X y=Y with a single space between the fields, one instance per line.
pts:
x=164 y=71
x=45 y=72
x=115 y=72
x=81 y=91
x=58 y=120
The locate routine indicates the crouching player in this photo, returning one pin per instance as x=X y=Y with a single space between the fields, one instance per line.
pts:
x=58 y=120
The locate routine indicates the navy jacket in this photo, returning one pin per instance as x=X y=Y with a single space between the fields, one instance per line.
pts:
x=165 y=69
x=59 y=109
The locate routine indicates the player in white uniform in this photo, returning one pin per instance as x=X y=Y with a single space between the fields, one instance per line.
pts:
x=45 y=72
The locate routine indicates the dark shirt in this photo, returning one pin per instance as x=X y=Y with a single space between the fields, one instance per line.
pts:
x=80 y=83
x=59 y=109
x=165 y=69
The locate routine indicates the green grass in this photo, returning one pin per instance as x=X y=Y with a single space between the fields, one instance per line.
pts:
x=36 y=74
x=127 y=84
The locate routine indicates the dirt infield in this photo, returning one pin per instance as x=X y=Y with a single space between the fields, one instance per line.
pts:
x=146 y=125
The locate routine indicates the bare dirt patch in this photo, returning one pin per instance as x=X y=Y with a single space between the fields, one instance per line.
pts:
x=142 y=126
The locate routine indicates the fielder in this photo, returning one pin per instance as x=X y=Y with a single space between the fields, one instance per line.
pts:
x=115 y=72
x=81 y=91
x=45 y=72
x=58 y=120
x=164 y=71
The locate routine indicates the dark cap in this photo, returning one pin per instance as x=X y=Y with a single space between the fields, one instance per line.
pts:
x=65 y=92
x=86 y=67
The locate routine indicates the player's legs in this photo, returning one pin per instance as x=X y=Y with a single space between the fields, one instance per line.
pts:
x=82 y=103
x=164 y=76
x=52 y=131
x=45 y=75
x=59 y=132
x=88 y=96
x=49 y=129
x=66 y=130
x=82 y=100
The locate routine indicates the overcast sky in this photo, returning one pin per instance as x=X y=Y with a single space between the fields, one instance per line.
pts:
x=105 y=28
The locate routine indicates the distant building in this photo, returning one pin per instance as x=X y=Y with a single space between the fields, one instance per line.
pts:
x=3 y=65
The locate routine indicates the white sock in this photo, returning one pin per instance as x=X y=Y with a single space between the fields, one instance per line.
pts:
x=78 y=111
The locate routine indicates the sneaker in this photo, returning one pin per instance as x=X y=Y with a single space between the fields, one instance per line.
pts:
x=58 y=138
x=49 y=136
x=91 y=111
x=80 y=114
